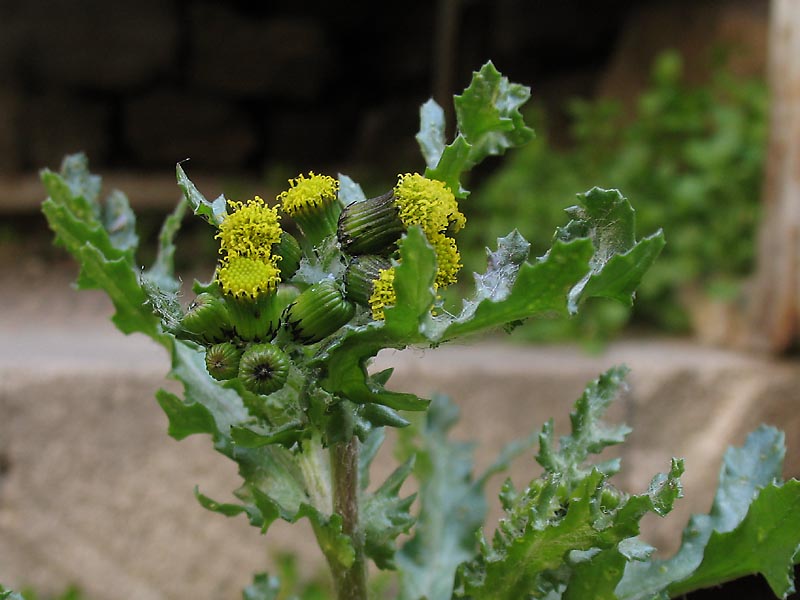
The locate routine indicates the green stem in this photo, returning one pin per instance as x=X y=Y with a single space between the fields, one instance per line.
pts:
x=350 y=583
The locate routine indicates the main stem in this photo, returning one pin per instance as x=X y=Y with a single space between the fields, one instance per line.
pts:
x=350 y=583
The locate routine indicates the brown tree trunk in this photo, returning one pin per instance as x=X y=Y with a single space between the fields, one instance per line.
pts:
x=775 y=309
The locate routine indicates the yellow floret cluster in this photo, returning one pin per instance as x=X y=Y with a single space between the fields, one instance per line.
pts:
x=383 y=293
x=429 y=204
x=248 y=268
x=308 y=194
x=242 y=276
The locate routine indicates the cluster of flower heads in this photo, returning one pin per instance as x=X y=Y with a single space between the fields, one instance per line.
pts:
x=238 y=320
x=414 y=201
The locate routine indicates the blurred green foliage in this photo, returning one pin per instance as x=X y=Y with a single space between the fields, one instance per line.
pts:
x=71 y=593
x=692 y=157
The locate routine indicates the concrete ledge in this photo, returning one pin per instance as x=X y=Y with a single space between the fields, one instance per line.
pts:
x=24 y=194
x=94 y=492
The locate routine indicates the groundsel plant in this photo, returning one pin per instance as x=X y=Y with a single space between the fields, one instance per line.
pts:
x=274 y=354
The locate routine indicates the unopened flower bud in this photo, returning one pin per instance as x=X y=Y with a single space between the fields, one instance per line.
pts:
x=360 y=276
x=289 y=250
x=222 y=361
x=255 y=319
x=206 y=320
x=317 y=312
x=370 y=226
x=263 y=368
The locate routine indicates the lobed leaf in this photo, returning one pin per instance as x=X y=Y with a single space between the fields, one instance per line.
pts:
x=619 y=262
x=765 y=542
x=385 y=515
x=570 y=531
x=536 y=289
x=453 y=162
x=488 y=114
x=431 y=132
x=120 y=222
x=117 y=278
x=743 y=516
x=104 y=248
x=489 y=122
x=214 y=212
x=452 y=506
x=590 y=435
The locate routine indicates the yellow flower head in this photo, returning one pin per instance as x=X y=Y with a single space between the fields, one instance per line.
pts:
x=448 y=259
x=242 y=277
x=383 y=294
x=308 y=194
x=250 y=230
x=427 y=203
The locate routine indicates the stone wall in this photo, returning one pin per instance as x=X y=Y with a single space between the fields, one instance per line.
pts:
x=241 y=87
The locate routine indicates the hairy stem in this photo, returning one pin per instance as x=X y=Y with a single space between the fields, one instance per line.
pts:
x=350 y=583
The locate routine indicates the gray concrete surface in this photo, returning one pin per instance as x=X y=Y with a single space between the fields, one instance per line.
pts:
x=93 y=491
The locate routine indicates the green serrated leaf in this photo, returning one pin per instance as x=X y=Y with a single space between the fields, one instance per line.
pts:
x=185 y=419
x=453 y=162
x=120 y=282
x=264 y=587
x=252 y=436
x=335 y=544
x=73 y=232
x=488 y=114
x=590 y=435
x=347 y=357
x=539 y=288
x=569 y=530
x=274 y=481
x=607 y=218
x=120 y=222
x=766 y=542
x=502 y=267
x=385 y=515
x=230 y=510
x=369 y=449
x=75 y=172
x=551 y=523
x=452 y=507
x=381 y=416
x=621 y=275
x=619 y=262
x=745 y=472
x=596 y=577
x=431 y=132
x=214 y=212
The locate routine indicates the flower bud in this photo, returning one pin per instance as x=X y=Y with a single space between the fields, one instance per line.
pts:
x=360 y=276
x=370 y=226
x=263 y=368
x=222 y=361
x=206 y=320
x=285 y=295
x=289 y=250
x=317 y=312
x=255 y=319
